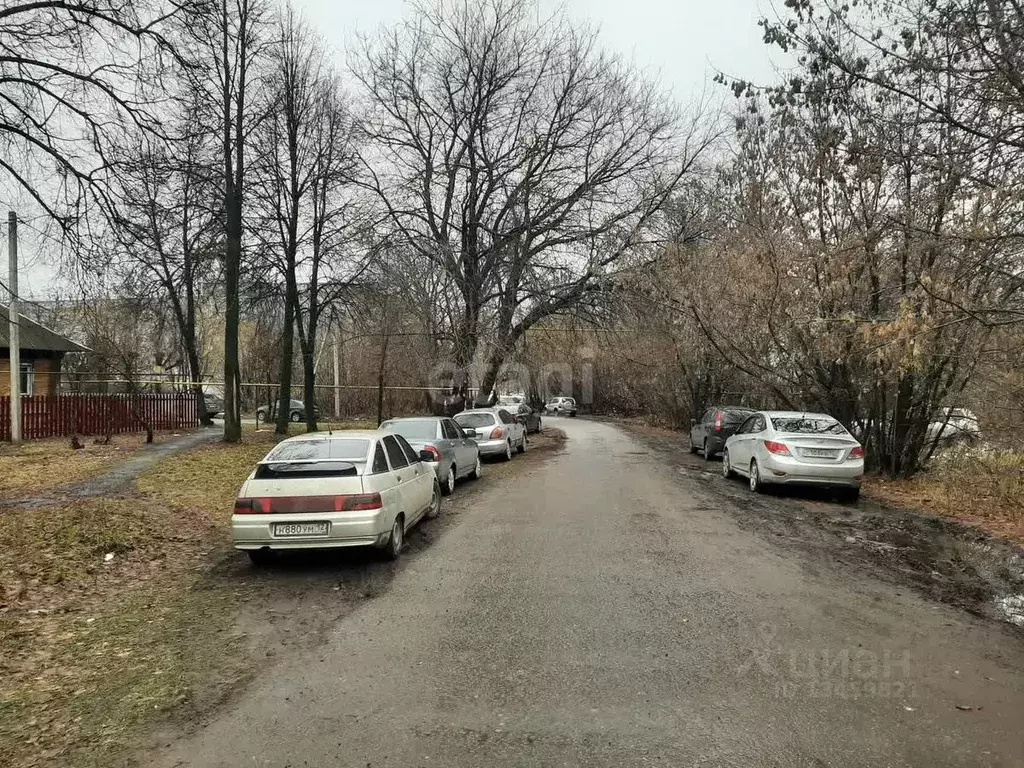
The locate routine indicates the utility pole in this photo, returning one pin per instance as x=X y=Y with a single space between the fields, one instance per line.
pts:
x=13 y=333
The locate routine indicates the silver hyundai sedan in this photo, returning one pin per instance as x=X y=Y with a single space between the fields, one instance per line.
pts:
x=795 y=448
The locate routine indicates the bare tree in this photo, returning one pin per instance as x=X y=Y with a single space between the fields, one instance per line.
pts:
x=517 y=157
x=73 y=78
x=166 y=222
x=284 y=172
x=226 y=37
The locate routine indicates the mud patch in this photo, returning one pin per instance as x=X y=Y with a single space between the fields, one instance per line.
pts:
x=939 y=557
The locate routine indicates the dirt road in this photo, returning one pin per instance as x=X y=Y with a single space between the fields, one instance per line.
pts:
x=605 y=609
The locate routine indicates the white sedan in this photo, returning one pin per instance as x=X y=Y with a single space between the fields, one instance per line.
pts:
x=791 y=447
x=341 y=489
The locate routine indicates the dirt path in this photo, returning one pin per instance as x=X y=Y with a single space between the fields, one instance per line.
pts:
x=118 y=480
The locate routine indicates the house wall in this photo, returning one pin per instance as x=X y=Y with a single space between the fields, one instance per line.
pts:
x=47 y=372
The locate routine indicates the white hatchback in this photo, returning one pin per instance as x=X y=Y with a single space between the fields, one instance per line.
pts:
x=795 y=448
x=340 y=489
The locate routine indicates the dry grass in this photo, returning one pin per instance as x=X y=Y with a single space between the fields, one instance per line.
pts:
x=983 y=489
x=93 y=649
x=36 y=466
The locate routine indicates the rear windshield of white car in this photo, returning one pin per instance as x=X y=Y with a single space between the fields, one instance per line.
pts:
x=805 y=426
x=412 y=430
x=474 y=420
x=296 y=470
x=343 y=449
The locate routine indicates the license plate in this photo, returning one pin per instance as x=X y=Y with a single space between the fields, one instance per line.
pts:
x=302 y=529
x=819 y=453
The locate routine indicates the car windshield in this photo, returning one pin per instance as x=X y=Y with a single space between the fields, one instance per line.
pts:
x=473 y=420
x=344 y=449
x=295 y=470
x=423 y=429
x=802 y=425
x=735 y=416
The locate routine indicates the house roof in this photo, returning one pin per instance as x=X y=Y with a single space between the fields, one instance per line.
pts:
x=32 y=335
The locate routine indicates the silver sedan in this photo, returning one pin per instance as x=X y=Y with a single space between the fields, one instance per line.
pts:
x=455 y=454
x=496 y=431
x=795 y=448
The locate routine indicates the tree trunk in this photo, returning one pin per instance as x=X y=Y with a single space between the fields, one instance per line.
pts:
x=284 y=390
x=309 y=388
x=232 y=264
x=380 y=377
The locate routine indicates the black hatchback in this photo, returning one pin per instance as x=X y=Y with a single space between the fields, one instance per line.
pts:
x=709 y=432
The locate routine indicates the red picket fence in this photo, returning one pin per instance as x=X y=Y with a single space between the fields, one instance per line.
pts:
x=60 y=415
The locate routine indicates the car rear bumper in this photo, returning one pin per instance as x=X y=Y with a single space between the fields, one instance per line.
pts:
x=716 y=443
x=789 y=471
x=347 y=529
x=491 y=447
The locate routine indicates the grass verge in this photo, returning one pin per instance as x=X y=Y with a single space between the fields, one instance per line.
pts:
x=984 y=489
x=35 y=466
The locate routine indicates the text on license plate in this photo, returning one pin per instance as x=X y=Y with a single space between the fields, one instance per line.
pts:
x=302 y=529
x=819 y=453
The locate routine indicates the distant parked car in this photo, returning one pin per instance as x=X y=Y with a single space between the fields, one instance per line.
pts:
x=709 y=433
x=327 y=490
x=454 y=454
x=495 y=430
x=789 y=447
x=564 y=406
x=528 y=417
x=507 y=400
x=953 y=425
x=296 y=411
x=213 y=402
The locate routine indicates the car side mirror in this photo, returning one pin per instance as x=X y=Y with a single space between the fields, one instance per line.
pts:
x=426 y=456
x=469 y=432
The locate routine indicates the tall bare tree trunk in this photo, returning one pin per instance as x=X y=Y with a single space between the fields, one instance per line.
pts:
x=284 y=389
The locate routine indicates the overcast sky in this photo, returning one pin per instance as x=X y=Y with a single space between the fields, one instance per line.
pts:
x=681 y=42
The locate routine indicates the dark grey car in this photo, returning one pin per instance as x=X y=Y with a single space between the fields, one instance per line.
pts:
x=709 y=433
x=296 y=411
x=528 y=417
x=456 y=455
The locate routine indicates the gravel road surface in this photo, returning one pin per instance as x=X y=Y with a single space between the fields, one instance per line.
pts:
x=604 y=609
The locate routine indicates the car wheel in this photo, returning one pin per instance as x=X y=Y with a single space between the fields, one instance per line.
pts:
x=477 y=470
x=449 y=482
x=262 y=558
x=693 y=448
x=508 y=451
x=393 y=549
x=522 y=444
x=296 y=417
x=707 y=453
x=726 y=466
x=851 y=495
x=755 y=478
x=435 y=500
